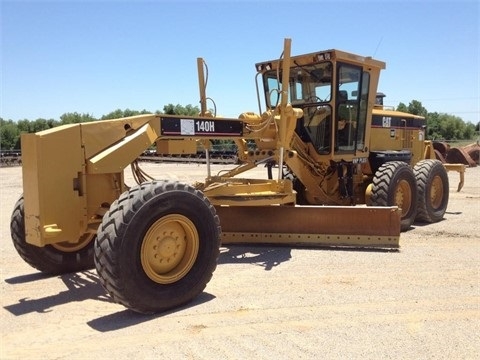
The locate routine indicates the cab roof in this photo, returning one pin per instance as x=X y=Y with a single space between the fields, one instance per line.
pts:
x=333 y=54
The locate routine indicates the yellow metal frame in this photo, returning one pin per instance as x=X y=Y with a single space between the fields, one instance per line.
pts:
x=72 y=174
x=429 y=153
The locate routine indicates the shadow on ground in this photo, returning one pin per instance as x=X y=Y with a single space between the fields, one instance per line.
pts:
x=265 y=256
x=79 y=286
x=127 y=318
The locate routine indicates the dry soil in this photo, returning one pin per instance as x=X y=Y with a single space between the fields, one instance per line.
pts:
x=265 y=302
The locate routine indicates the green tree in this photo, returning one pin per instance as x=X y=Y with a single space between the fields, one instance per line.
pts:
x=402 y=107
x=178 y=109
x=449 y=127
x=42 y=124
x=440 y=125
x=24 y=126
x=415 y=107
x=117 y=114
x=9 y=135
x=469 y=132
x=75 y=118
x=433 y=126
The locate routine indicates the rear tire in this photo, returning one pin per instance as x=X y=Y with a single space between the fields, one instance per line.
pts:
x=433 y=190
x=157 y=246
x=394 y=184
x=54 y=259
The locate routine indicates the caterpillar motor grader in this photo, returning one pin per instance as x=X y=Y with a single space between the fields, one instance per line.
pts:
x=155 y=245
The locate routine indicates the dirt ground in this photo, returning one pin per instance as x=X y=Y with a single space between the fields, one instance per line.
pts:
x=265 y=302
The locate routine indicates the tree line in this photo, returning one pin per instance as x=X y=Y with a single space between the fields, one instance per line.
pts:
x=440 y=126
x=10 y=130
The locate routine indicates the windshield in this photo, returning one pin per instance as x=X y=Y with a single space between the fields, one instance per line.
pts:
x=351 y=111
x=334 y=115
x=307 y=84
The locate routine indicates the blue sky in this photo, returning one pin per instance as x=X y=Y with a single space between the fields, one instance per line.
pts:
x=97 y=56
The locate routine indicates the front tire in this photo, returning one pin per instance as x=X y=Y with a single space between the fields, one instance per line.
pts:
x=394 y=184
x=53 y=259
x=433 y=190
x=157 y=246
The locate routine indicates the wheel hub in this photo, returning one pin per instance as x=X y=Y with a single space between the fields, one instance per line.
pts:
x=436 y=192
x=169 y=249
x=403 y=198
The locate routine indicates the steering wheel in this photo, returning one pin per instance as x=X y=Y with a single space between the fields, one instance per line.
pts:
x=313 y=97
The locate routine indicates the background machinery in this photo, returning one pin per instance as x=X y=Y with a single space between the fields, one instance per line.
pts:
x=155 y=245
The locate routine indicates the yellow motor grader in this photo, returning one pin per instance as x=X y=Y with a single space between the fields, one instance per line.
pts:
x=349 y=173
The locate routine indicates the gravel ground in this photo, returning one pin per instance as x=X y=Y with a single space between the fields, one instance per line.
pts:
x=265 y=302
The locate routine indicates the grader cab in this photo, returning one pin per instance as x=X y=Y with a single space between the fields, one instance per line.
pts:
x=155 y=245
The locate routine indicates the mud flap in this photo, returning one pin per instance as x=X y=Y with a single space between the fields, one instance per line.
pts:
x=331 y=226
